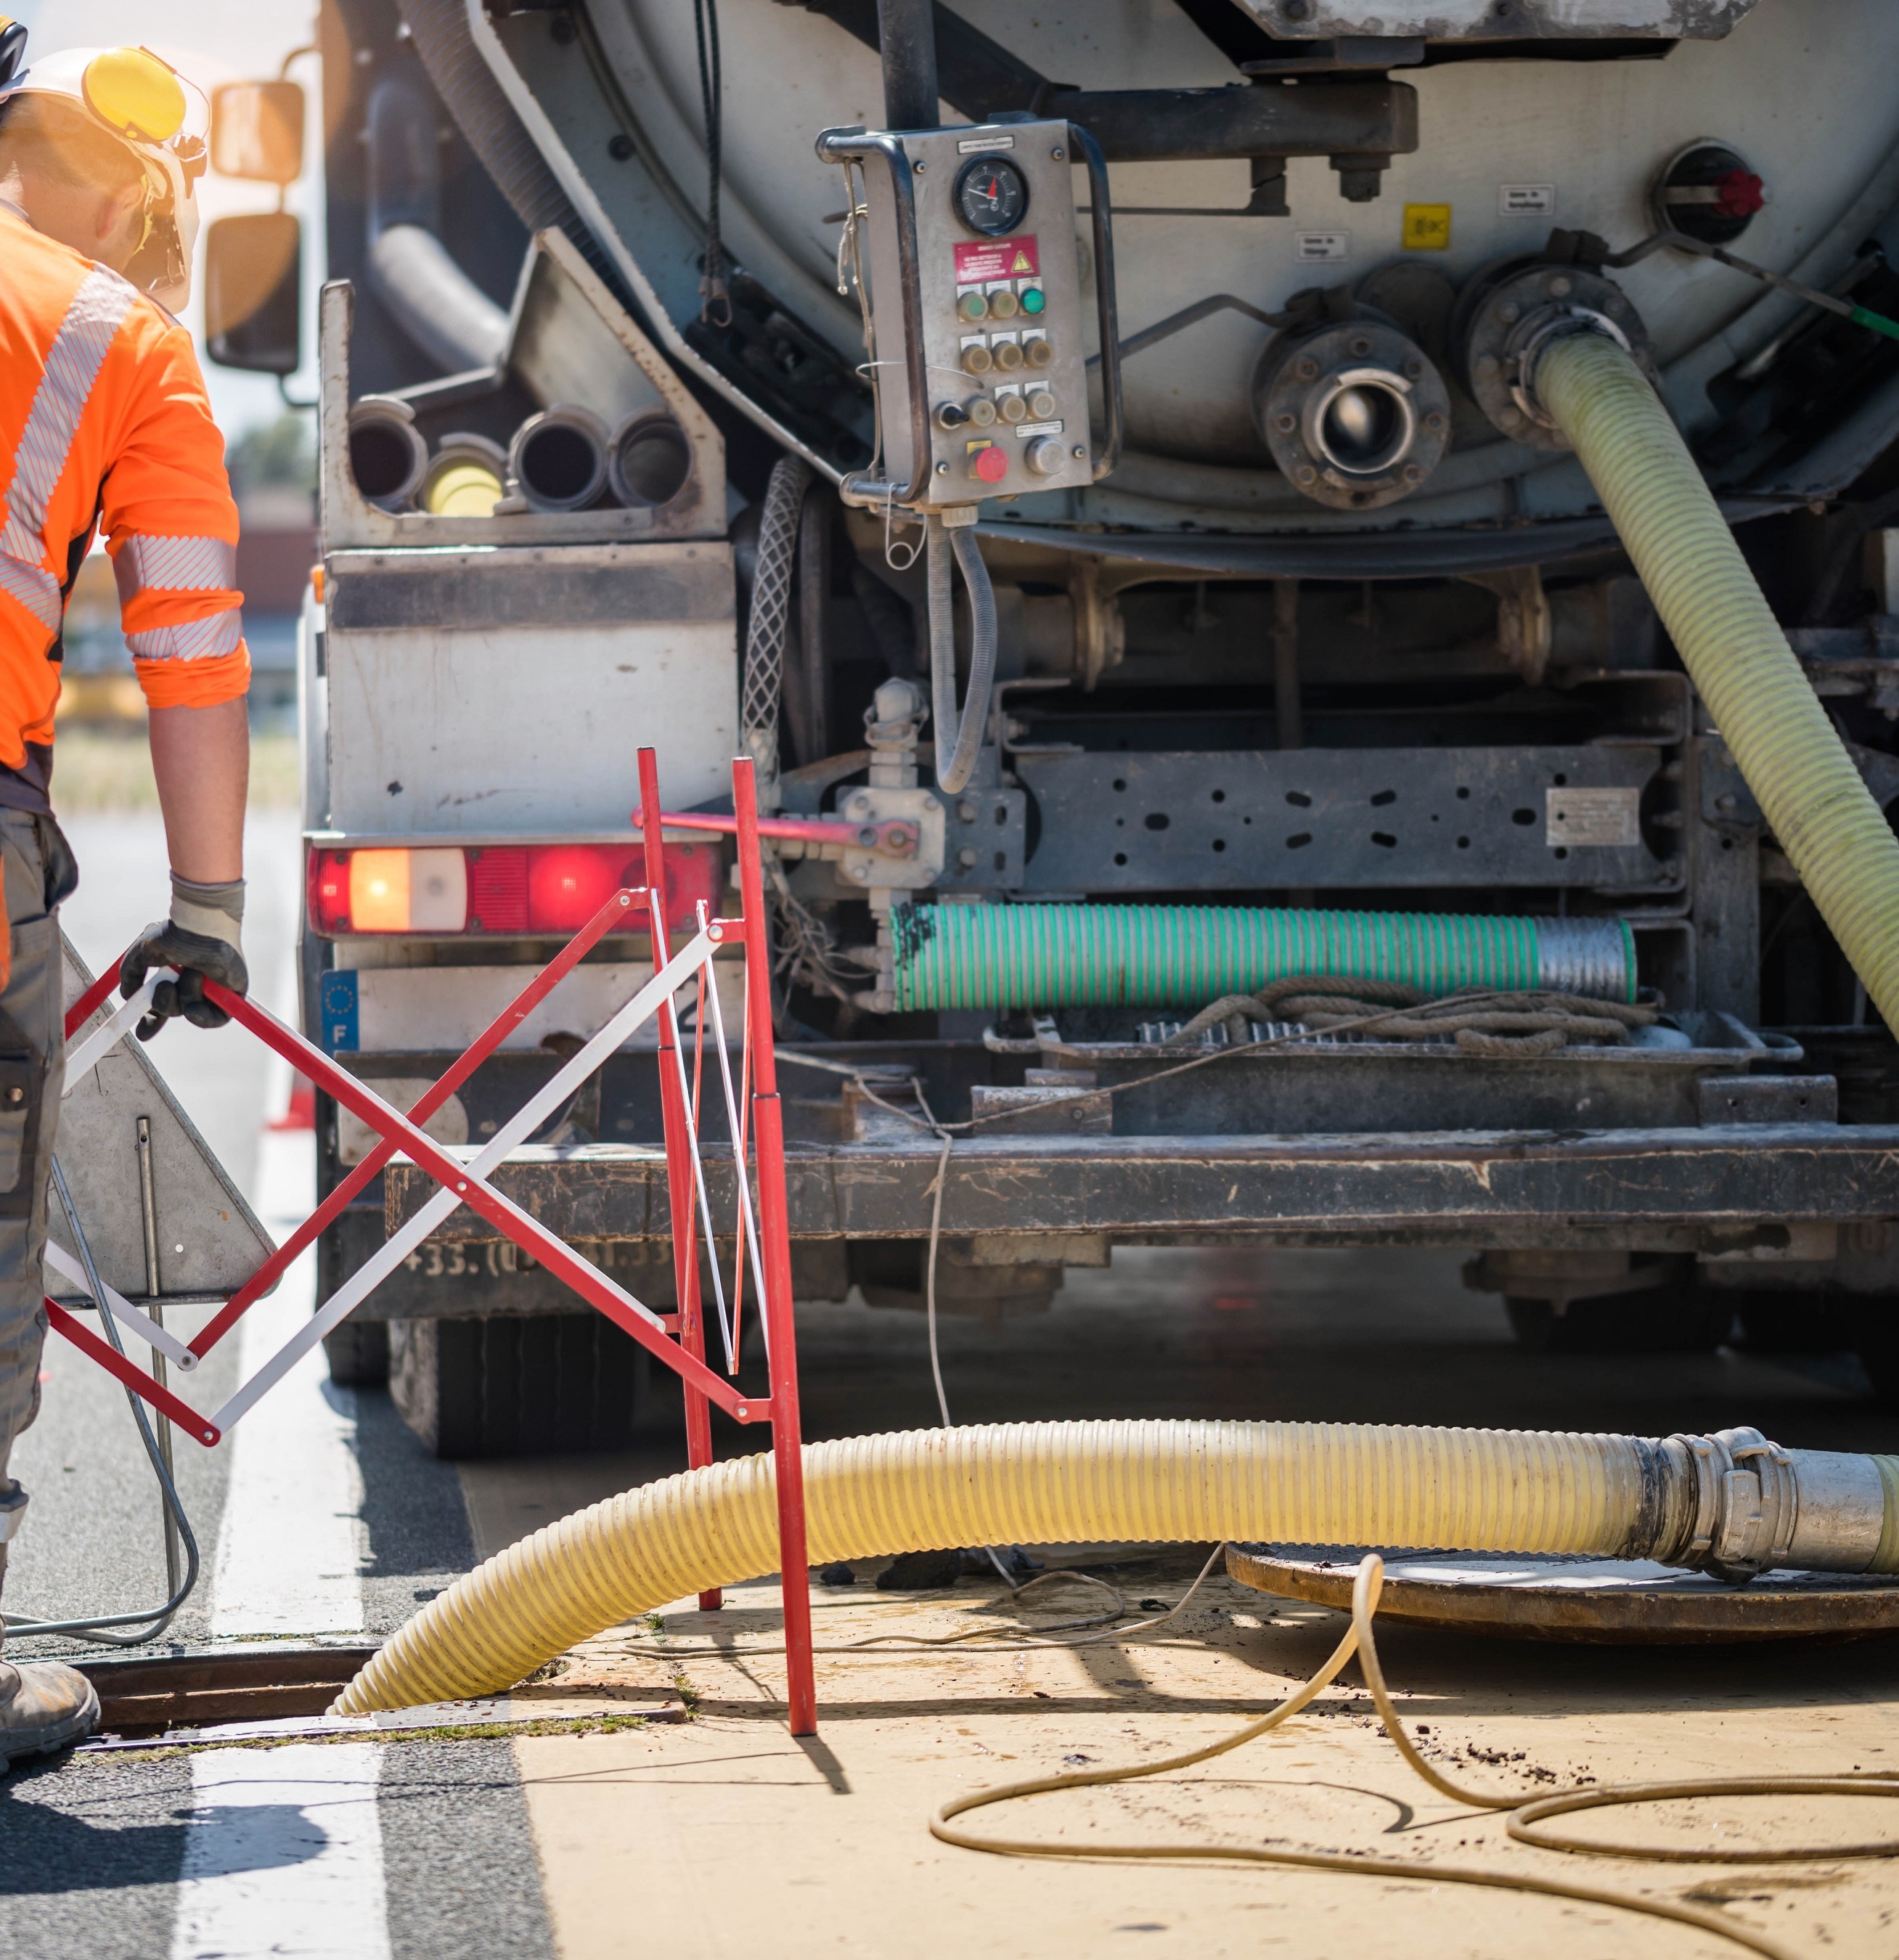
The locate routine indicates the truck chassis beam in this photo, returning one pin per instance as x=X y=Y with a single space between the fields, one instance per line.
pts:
x=1736 y=1186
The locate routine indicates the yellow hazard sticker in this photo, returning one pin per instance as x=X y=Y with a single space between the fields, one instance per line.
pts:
x=1427 y=227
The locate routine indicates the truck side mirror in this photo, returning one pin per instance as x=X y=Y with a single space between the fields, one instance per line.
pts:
x=257 y=131
x=253 y=293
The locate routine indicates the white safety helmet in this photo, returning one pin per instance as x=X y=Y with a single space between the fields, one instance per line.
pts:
x=140 y=98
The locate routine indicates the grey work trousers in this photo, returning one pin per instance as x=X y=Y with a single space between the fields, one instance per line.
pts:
x=39 y=873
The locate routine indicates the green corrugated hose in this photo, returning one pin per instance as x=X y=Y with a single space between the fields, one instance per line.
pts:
x=1819 y=809
x=1058 y=956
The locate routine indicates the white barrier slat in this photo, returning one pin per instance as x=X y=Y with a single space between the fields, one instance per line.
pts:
x=696 y=953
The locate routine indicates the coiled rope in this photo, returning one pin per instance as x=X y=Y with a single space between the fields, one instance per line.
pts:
x=1529 y=1022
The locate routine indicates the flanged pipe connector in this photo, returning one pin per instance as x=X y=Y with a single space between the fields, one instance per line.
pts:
x=1514 y=314
x=387 y=455
x=649 y=459
x=559 y=458
x=1355 y=415
x=466 y=477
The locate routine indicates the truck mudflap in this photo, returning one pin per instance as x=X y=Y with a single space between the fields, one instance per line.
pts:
x=1759 y=1189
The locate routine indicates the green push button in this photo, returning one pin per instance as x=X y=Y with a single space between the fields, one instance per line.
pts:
x=972 y=306
x=1033 y=300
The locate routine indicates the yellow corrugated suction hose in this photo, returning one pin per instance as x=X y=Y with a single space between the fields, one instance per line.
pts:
x=1020 y=1483
x=1787 y=748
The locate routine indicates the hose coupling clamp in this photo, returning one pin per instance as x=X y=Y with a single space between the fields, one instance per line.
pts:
x=1747 y=1501
x=1515 y=316
x=1534 y=335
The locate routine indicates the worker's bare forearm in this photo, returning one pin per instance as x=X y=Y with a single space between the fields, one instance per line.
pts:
x=201 y=757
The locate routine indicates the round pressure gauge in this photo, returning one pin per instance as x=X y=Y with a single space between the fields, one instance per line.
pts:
x=991 y=195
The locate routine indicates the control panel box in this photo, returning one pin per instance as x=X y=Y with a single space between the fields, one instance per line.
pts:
x=1000 y=310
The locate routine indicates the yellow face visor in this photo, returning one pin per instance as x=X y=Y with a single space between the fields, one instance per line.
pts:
x=135 y=94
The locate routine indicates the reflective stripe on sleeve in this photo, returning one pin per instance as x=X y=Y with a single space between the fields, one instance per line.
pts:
x=38 y=591
x=196 y=640
x=93 y=319
x=146 y=564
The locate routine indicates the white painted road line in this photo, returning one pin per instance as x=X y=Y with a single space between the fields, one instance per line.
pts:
x=284 y=1857
x=289 y=1554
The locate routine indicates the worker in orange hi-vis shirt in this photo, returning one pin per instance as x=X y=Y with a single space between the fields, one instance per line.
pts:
x=104 y=424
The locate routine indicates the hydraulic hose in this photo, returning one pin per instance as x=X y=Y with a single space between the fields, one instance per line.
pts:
x=1734 y=1503
x=769 y=617
x=1055 y=956
x=1787 y=748
x=958 y=739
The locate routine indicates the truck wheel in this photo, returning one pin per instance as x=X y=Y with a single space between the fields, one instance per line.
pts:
x=1873 y=1333
x=359 y=1353
x=1792 y=1323
x=1689 y=1321
x=519 y=1385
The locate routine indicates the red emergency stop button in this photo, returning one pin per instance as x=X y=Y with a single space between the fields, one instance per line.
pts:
x=989 y=464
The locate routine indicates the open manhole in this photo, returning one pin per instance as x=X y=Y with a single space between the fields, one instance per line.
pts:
x=1604 y=1601
x=147 y=1694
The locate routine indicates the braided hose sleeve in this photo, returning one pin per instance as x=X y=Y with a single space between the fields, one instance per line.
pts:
x=1502 y=1491
x=770 y=613
x=1787 y=747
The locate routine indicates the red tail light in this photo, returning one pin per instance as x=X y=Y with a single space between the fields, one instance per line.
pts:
x=497 y=888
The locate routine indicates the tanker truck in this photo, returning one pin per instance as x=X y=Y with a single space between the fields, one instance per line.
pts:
x=1309 y=584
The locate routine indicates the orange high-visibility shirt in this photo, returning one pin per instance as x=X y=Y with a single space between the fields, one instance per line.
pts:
x=104 y=420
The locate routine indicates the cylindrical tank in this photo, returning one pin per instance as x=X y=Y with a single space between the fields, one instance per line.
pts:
x=1654 y=121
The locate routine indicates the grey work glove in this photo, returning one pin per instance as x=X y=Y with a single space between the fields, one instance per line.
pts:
x=203 y=939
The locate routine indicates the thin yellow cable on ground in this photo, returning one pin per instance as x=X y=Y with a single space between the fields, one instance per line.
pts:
x=1523 y=1816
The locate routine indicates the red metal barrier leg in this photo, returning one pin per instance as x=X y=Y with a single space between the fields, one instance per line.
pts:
x=787 y=1444
x=679 y=1148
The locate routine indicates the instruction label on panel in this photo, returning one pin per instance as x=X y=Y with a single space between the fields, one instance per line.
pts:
x=979 y=260
x=1526 y=200
x=1323 y=247
x=1427 y=227
x=1610 y=817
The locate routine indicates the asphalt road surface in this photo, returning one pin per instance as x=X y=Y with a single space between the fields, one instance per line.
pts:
x=322 y=1516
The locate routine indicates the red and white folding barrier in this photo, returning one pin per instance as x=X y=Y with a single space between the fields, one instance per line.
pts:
x=760 y=1227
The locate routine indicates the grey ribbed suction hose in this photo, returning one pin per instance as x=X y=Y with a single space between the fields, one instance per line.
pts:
x=1733 y=1502
x=1818 y=807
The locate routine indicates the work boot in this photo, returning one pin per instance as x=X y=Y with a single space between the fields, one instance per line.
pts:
x=44 y=1706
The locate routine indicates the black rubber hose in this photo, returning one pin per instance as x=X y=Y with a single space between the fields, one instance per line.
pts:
x=153 y=1620
x=958 y=739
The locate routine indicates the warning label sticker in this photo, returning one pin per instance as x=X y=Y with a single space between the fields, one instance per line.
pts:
x=980 y=260
x=1604 y=816
x=1427 y=228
